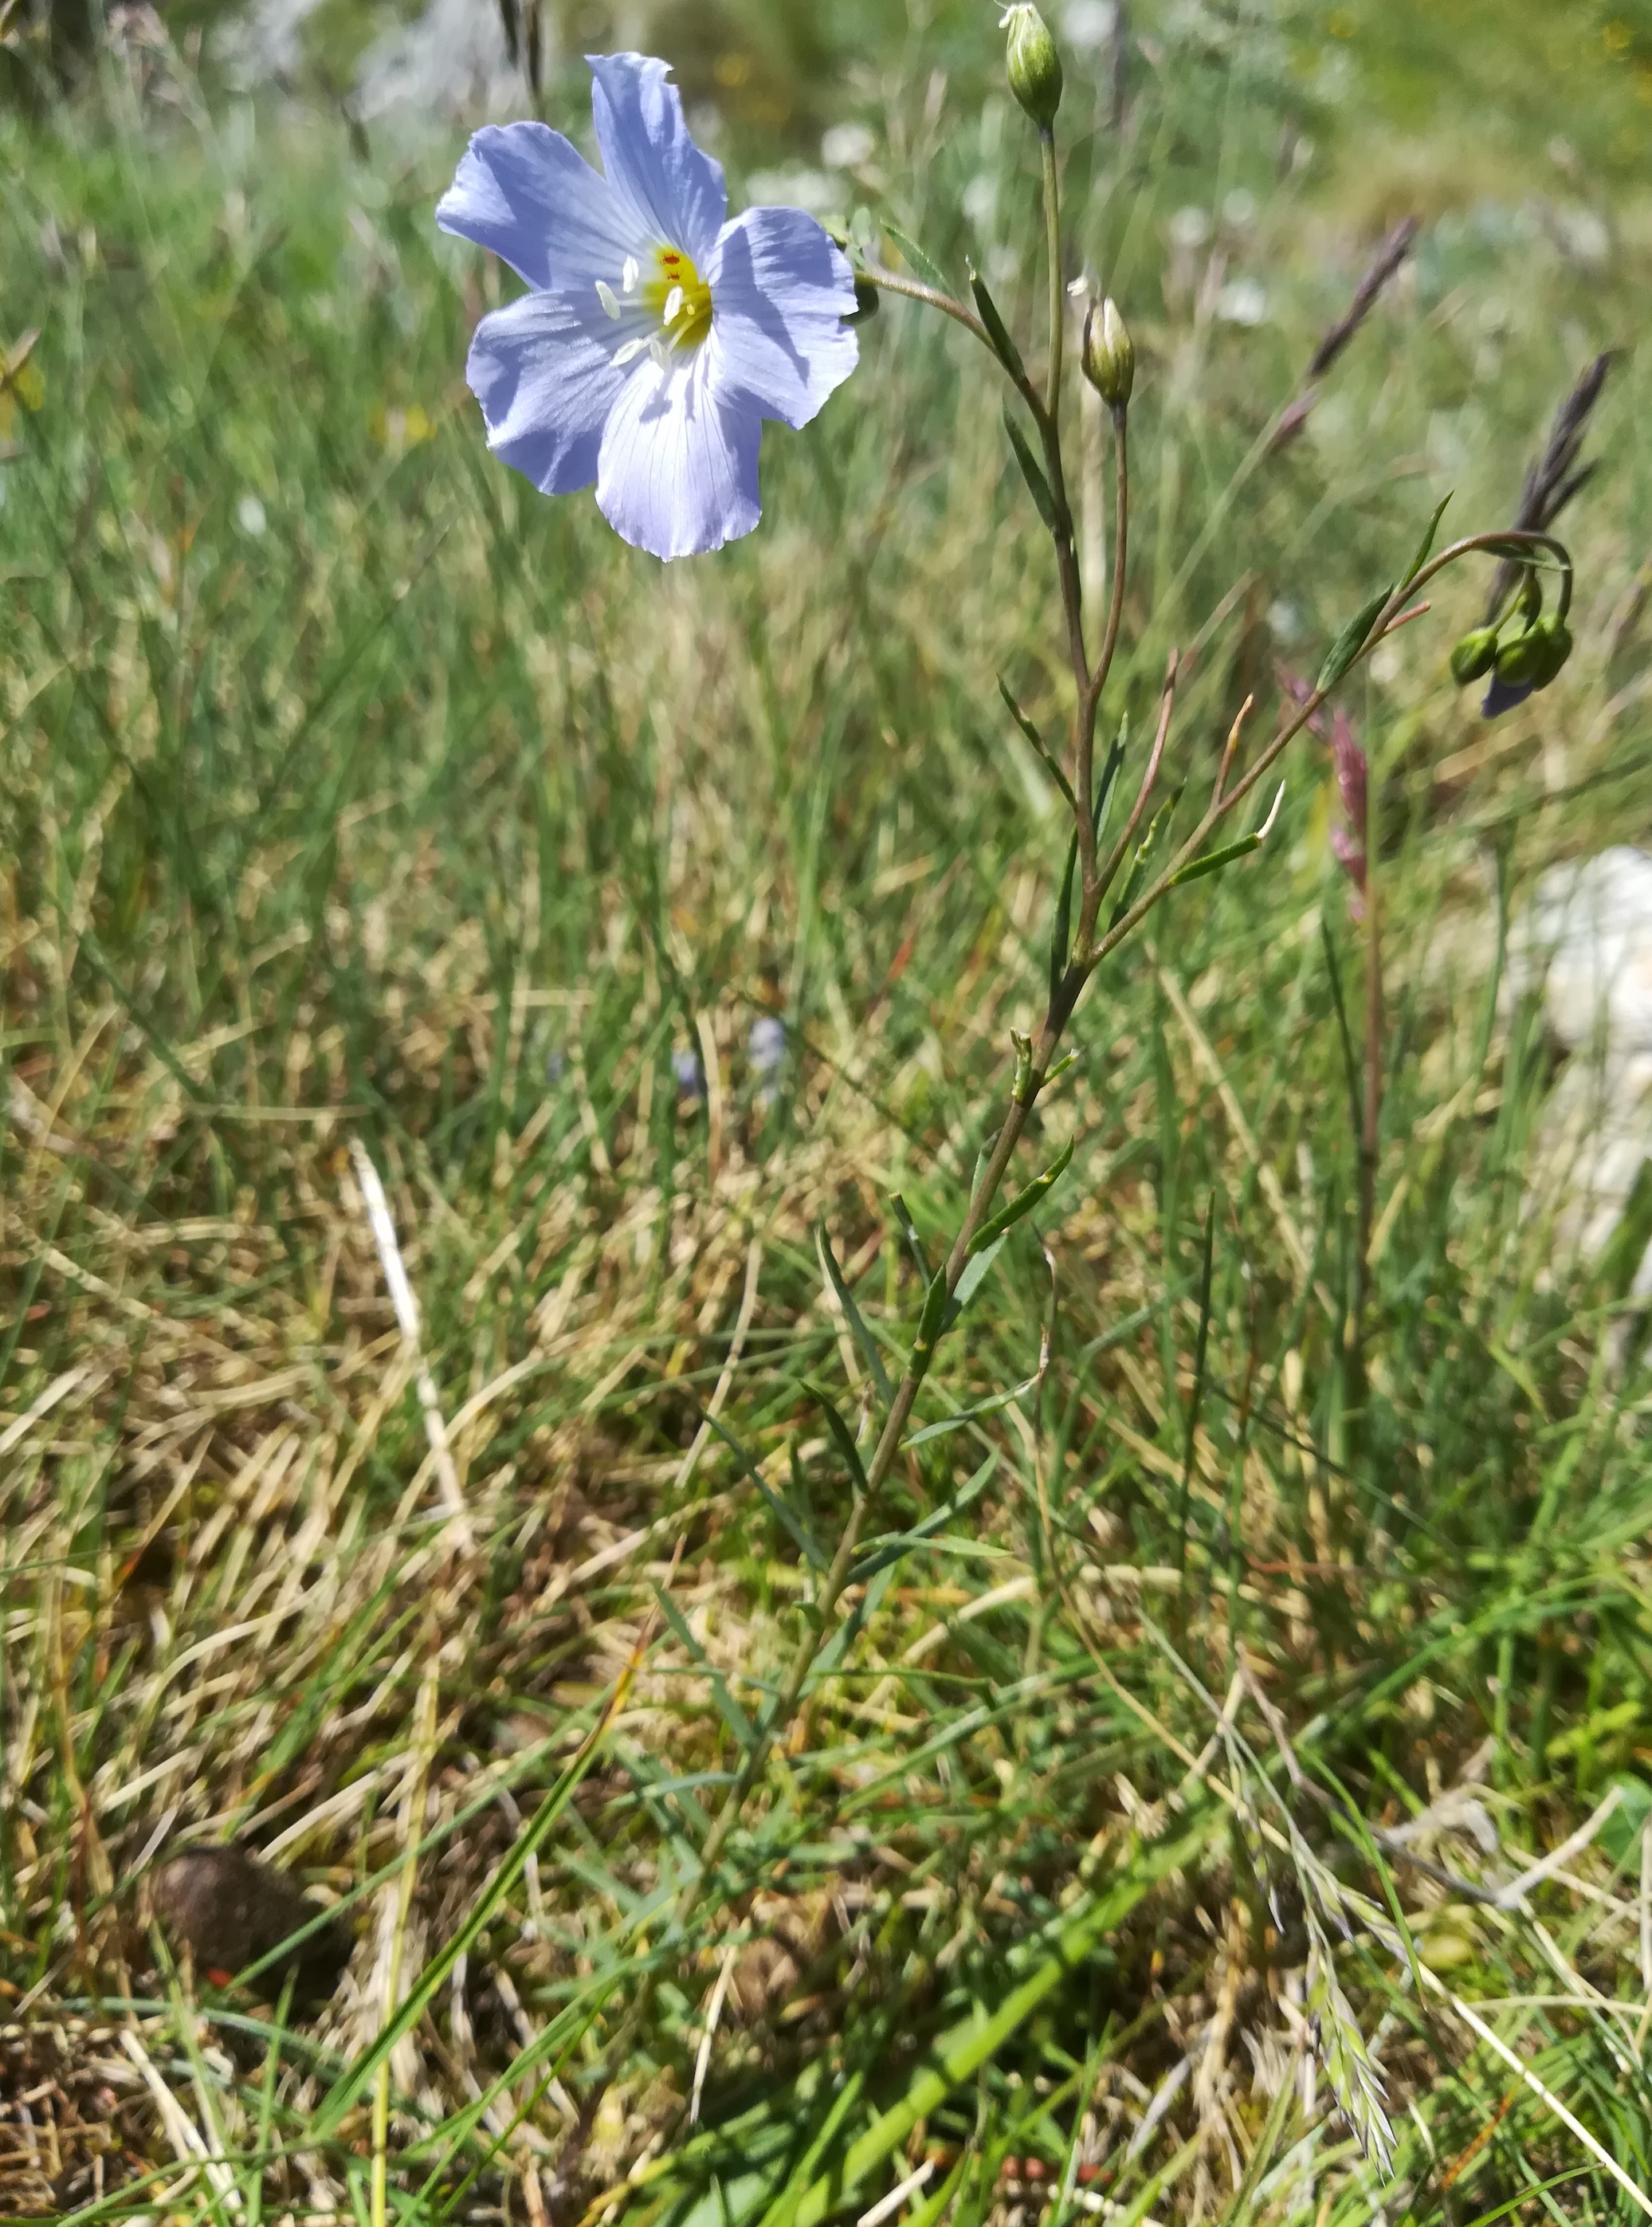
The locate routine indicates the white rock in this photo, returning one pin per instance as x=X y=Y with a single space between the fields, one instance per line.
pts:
x=1586 y=939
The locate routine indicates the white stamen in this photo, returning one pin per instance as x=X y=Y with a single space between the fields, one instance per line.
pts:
x=631 y=351
x=631 y=273
x=673 y=304
x=659 y=349
x=609 y=298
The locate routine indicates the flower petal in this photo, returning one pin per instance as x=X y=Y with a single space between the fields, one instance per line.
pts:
x=667 y=185
x=543 y=371
x=679 y=470
x=1504 y=695
x=780 y=292
x=524 y=192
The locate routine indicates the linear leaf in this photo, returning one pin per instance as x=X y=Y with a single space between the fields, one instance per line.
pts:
x=1425 y=546
x=863 y=1337
x=1145 y=850
x=840 y=1431
x=1032 y=469
x=930 y=1321
x=992 y=1406
x=783 y=1514
x=976 y=1269
x=1351 y=640
x=731 y=1711
x=926 y=269
x=909 y=1231
x=882 y=1552
x=1061 y=927
x=1023 y=1201
x=998 y=332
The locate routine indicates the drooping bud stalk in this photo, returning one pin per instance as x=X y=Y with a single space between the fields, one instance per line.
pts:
x=1033 y=65
x=1109 y=356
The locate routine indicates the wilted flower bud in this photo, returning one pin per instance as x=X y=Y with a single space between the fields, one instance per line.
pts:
x=1035 y=68
x=865 y=301
x=1475 y=655
x=1109 y=356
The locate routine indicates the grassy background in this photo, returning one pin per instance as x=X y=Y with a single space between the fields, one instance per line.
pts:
x=352 y=793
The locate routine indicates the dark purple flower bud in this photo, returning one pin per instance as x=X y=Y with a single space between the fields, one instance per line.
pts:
x=1502 y=696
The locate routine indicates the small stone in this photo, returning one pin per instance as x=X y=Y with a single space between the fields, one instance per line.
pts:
x=229 y=1908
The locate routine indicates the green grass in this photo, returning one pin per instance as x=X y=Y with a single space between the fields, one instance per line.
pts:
x=431 y=818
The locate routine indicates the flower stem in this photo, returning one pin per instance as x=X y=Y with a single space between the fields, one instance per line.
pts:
x=1057 y=299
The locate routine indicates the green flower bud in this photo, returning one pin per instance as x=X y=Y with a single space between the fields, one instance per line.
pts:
x=1035 y=68
x=1553 y=639
x=1109 y=355
x=1475 y=655
x=1529 y=603
x=1519 y=662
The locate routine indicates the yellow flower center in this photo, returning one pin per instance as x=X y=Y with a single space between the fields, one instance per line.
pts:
x=680 y=297
x=668 y=286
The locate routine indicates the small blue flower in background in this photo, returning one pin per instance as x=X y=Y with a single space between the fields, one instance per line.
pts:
x=766 y=1048
x=657 y=336
x=689 y=1076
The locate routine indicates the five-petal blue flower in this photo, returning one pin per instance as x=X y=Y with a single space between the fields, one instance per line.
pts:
x=657 y=336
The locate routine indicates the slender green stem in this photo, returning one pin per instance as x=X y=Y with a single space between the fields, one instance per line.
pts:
x=1088 y=953
x=1090 y=705
x=1057 y=299
x=891 y=282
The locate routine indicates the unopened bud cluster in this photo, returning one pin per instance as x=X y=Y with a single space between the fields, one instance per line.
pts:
x=1035 y=68
x=1517 y=662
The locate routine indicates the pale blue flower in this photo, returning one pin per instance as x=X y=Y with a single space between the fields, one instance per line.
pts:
x=658 y=337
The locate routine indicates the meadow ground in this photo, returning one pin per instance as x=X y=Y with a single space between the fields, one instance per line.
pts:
x=363 y=811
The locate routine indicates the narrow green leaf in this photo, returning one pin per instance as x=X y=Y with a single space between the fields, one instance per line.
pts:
x=730 y=1710
x=930 y=1323
x=1047 y=757
x=1197 y=869
x=1425 y=546
x=993 y=1406
x=863 y=1337
x=1351 y=640
x=1026 y=725
x=840 y=1431
x=1062 y=926
x=881 y=1552
x=1145 y=850
x=784 y=1516
x=920 y=263
x=1023 y=1201
x=1197 y=1400
x=914 y=1242
x=1108 y=787
x=976 y=1270
x=998 y=332
x=1032 y=471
